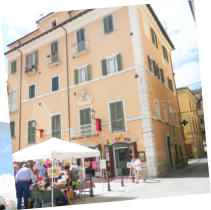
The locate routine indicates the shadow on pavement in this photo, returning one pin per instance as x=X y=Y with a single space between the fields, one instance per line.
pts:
x=101 y=199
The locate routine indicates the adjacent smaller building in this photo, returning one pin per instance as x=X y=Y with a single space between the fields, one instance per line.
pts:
x=190 y=121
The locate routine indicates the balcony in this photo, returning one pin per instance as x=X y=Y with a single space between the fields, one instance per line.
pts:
x=53 y=60
x=79 y=48
x=83 y=131
x=30 y=68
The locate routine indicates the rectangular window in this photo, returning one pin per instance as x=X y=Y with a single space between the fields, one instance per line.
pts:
x=149 y=62
x=157 y=109
x=162 y=76
x=108 y=24
x=82 y=74
x=165 y=114
x=81 y=40
x=85 y=121
x=170 y=107
x=56 y=126
x=170 y=84
x=154 y=38
x=13 y=67
x=154 y=67
x=55 y=83
x=165 y=53
x=112 y=64
x=31 y=91
x=31 y=132
x=117 y=117
x=12 y=129
x=31 y=61
x=13 y=101
x=54 y=51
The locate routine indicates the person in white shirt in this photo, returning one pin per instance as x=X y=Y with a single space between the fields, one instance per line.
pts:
x=23 y=177
x=137 y=166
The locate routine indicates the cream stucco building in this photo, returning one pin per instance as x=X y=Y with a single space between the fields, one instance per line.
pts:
x=112 y=64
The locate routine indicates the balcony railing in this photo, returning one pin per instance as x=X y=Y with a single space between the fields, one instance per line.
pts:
x=79 y=47
x=83 y=131
x=53 y=59
x=30 y=68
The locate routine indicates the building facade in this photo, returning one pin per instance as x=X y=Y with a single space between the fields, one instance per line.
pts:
x=189 y=112
x=102 y=78
x=200 y=111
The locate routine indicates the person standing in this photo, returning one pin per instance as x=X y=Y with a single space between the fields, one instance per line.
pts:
x=23 y=177
x=137 y=166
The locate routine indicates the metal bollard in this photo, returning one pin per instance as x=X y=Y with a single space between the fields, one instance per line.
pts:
x=109 y=187
x=122 y=182
x=91 y=190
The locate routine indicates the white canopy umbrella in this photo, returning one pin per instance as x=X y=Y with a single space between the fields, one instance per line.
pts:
x=52 y=149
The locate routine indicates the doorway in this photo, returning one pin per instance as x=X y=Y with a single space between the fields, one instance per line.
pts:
x=120 y=160
x=169 y=151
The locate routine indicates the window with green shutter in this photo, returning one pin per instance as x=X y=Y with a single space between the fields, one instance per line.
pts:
x=85 y=121
x=154 y=38
x=55 y=83
x=165 y=53
x=54 y=51
x=12 y=129
x=154 y=67
x=108 y=24
x=31 y=91
x=149 y=62
x=13 y=67
x=162 y=76
x=170 y=84
x=31 y=132
x=81 y=40
x=112 y=64
x=82 y=74
x=32 y=60
x=56 y=126
x=117 y=117
x=158 y=71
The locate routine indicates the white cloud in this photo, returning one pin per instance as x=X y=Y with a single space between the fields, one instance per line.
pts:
x=7 y=187
x=187 y=74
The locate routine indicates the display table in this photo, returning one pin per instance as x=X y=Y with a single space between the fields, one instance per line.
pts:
x=43 y=197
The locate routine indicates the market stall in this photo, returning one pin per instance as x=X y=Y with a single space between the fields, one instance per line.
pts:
x=55 y=149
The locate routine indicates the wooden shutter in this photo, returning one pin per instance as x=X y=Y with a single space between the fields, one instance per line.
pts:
x=149 y=62
x=119 y=62
x=76 y=76
x=27 y=60
x=89 y=72
x=104 y=67
x=110 y=23
x=120 y=116
x=105 y=25
x=36 y=59
x=152 y=34
x=55 y=83
x=32 y=91
x=154 y=68
x=162 y=76
x=113 y=115
x=158 y=72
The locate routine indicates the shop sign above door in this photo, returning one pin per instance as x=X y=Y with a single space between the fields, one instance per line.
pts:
x=120 y=140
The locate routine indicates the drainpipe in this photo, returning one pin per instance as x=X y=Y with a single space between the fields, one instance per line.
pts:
x=19 y=138
x=68 y=94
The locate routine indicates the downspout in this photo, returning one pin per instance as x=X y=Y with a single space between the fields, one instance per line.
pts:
x=67 y=67
x=19 y=139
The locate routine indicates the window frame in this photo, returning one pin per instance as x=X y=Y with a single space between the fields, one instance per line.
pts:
x=53 y=115
x=12 y=136
x=113 y=21
x=124 y=115
x=157 y=109
x=28 y=121
x=58 y=52
x=154 y=37
x=52 y=83
x=11 y=68
x=16 y=108
x=33 y=84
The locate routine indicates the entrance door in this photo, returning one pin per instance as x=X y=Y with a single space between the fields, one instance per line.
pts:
x=169 y=150
x=120 y=161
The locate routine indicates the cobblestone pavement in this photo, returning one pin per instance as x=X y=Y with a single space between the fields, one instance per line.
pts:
x=191 y=179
